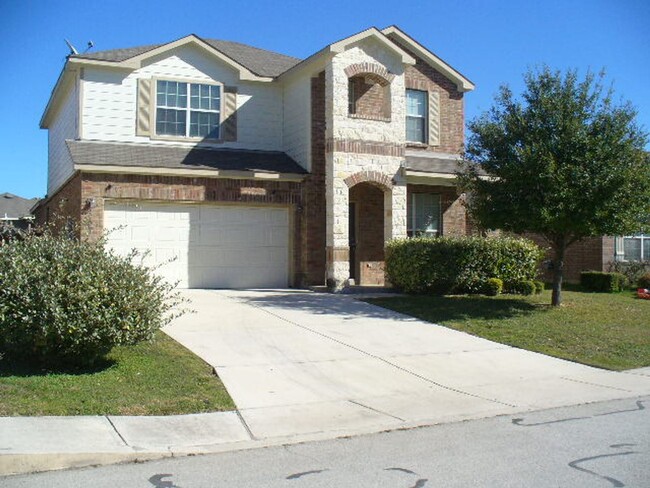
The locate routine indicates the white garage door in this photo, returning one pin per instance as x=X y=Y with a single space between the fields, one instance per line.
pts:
x=203 y=246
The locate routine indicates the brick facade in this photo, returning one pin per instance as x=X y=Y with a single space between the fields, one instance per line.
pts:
x=592 y=254
x=452 y=209
x=421 y=76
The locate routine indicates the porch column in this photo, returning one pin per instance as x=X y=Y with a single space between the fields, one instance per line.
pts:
x=338 y=245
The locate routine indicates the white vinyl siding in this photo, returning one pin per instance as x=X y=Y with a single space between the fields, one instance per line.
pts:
x=297 y=121
x=63 y=126
x=110 y=99
x=423 y=215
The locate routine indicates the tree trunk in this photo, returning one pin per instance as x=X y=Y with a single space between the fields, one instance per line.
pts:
x=558 y=271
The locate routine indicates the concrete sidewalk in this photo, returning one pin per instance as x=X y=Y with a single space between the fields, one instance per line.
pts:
x=302 y=366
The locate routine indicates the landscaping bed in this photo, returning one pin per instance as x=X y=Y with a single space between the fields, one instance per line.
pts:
x=608 y=330
x=157 y=378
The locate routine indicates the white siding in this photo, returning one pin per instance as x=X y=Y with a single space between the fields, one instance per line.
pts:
x=109 y=99
x=297 y=121
x=62 y=127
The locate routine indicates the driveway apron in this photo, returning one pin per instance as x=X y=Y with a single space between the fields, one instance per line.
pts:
x=299 y=363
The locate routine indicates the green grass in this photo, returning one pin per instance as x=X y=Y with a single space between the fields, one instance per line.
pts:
x=158 y=378
x=600 y=329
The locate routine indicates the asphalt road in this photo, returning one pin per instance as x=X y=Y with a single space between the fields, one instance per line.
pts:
x=598 y=445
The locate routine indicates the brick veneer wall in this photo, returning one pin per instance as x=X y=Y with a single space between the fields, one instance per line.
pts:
x=370 y=99
x=454 y=214
x=421 y=76
x=314 y=209
x=66 y=202
x=369 y=201
x=86 y=193
x=592 y=254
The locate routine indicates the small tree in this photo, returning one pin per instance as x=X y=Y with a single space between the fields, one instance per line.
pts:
x=563 y=161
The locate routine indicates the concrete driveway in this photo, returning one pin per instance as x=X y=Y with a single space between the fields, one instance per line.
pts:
x=299 y=363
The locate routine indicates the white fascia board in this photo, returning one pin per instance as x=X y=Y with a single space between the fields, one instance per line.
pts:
x=68 y=75
x=189 y=173
x=462 y=83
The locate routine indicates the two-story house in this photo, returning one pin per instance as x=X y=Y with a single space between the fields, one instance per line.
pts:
x=255 y=169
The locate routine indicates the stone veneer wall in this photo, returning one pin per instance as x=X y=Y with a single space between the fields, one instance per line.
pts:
x=372 y=146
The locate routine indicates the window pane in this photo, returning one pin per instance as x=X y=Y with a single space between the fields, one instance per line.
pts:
x=204 y=124
x=414 y=129
x=171 y=94
x=194 y=96
x=646 y=249
x=423 y=214
x=416 y=102
x=632 y=249
x=170 y=122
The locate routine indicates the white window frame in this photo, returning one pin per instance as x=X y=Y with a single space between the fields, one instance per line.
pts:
x=423 y=117
x=188 y=109
x=640 y=237
x=411 y=229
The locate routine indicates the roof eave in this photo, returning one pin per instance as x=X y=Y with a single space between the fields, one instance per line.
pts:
x=462 y=83
x=65 y=77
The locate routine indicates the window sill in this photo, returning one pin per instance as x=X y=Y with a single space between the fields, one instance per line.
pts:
x=194 y=140
x=369 y=117
x=417 y=145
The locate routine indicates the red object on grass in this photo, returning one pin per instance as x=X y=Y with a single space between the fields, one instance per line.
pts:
x=643 y=293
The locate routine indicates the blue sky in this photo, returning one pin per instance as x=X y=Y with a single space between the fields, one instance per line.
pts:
x=490 y=42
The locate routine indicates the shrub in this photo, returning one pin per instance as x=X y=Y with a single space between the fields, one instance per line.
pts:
x=602 y=282
x=492 y=287
x=458 y=264
x=520 y=287
x=539 y=286
x=68 y=302
x=633 y=270
x=644 y=281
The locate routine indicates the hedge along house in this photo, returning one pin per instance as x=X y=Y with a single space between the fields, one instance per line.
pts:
x=255 y=169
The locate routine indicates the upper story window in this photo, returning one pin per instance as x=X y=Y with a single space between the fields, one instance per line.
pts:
x=423 y=212
x=188 y=109
x=416 y=116
x=369 y=97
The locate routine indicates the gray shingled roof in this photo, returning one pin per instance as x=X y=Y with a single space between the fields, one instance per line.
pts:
x=259 y=61
x=15 y=207
x=177 y=157
x=432 y=164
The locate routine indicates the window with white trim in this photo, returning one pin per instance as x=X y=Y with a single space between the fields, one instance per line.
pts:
x=188 y=109
x=416 y=116
x=636 y=247
x=423 y=213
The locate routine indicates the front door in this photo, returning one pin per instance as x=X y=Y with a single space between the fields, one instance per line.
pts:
x=352 y=240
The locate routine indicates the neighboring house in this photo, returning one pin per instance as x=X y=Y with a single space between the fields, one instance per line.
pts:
x=16 y=211
x=255 y=169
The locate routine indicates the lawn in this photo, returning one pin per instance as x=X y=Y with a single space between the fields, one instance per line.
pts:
x=158 y=378
x=606 y=330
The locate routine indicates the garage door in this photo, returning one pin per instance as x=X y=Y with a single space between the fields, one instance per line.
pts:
x=203 y=246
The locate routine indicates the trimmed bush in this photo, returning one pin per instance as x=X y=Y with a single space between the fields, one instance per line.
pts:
x=68 y=302
x=492 y=287
x=539 y=287
x=644 y=281
x=633 y=270
x=602 y=282
x=459 y=264
x=520 y=287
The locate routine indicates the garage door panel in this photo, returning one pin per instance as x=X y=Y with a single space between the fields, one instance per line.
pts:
x=211 y=246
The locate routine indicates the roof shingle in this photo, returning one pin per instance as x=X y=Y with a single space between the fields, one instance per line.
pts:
x=259 y=61
x=180 y=157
